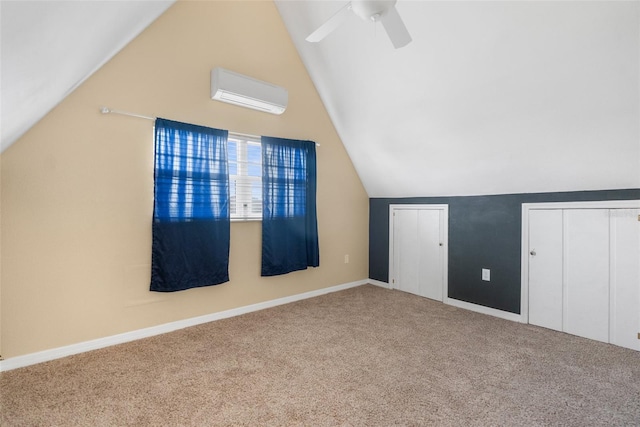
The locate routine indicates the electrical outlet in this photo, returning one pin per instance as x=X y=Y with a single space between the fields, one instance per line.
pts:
x=346 y=259
x=486 y=274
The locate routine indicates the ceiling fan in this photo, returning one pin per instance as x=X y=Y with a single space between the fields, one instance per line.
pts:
x=369 y=10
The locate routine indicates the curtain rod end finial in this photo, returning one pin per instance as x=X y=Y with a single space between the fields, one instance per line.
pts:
x=105 y=110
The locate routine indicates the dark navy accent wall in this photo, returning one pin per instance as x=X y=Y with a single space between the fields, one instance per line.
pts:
x=484 y=232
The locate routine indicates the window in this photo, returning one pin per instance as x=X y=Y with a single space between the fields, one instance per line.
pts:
x=245 y=177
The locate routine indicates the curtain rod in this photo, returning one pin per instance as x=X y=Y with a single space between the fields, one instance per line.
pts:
x=107 y=110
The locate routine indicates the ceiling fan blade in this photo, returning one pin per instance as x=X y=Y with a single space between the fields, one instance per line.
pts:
x=395 y=28
x=331 y=24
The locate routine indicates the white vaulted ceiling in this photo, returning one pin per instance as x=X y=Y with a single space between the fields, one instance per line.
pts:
x=49 y=47
x=488 y=98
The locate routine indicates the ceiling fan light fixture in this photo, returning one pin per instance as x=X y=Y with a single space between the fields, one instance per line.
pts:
x=383 y=11
x=371 y=10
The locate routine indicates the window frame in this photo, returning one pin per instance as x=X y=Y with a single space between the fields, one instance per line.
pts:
x=243 y=180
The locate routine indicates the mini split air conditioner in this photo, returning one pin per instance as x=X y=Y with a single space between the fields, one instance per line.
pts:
x=234 y=88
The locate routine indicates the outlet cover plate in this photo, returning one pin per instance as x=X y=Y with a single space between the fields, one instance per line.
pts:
x=486 y=274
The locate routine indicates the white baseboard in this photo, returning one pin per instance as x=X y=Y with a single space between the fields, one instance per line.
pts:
x=379 y=283
x=466 y=305
x=484 y=310
x=57 y=353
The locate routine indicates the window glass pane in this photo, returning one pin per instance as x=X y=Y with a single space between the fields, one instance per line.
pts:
x=232 y=146
x=232 y=154
x=255 y=170
x=254 y=159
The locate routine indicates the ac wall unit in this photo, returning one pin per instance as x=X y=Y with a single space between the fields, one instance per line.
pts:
x=234 y=88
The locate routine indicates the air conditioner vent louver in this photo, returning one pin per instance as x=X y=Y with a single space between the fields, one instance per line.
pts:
x=234 y=88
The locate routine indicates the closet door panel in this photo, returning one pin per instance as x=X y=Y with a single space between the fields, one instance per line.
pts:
x=586 y=274
x=406 y=247
x=430 y=267
x=545 y=268
x=625 y=278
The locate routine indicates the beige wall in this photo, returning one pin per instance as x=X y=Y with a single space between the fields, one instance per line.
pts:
x=77 y=189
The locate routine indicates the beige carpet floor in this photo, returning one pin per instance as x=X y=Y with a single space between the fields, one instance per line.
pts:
x=363 y=357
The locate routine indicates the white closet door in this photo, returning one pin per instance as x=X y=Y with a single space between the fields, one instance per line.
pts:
x=430 y=264
x=406 y=250
x=586 y=290
x=545 y=268
x=418 y=250
x=625 y=278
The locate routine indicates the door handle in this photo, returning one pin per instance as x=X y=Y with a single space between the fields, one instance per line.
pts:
x=533 y=252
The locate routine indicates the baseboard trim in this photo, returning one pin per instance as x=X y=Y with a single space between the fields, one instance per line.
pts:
x=379 y=283
x=484 y=310
x=60 y=352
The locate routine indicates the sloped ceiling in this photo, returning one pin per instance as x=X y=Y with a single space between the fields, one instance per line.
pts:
x=49 y=47
x=489 y=98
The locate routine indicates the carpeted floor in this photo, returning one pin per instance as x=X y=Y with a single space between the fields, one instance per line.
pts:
x=363 y=357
